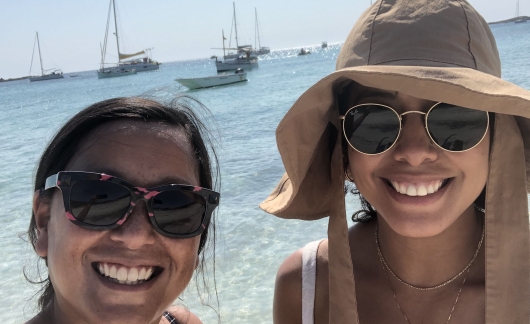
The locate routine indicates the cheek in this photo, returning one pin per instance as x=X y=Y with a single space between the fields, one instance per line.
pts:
x=361 y=168
x=184 y=254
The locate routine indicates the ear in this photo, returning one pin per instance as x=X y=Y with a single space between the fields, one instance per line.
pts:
x=41 y=211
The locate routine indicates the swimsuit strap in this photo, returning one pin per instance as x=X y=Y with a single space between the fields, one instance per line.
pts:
x=309 y=272
x=170 y=318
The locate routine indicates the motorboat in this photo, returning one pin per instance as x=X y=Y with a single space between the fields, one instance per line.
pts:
x=304 y=52
x=45 y=74
x=324 y=45
x=213 y=81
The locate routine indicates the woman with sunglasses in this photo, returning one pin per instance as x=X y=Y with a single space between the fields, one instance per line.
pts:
x=438 y=148
x=121 y=213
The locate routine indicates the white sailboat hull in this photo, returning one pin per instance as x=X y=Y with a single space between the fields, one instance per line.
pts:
x=231 y=66
x=46 y=77
x=113 y=73
x=141 y=66
x=212 y=81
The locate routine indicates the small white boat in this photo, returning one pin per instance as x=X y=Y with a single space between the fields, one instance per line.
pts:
x=215 y=80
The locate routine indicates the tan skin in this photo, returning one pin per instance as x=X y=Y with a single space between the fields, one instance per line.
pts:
x=425 y=242
x=145 y=155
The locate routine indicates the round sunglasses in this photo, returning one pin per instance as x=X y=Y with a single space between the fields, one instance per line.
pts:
x=99 y=201
x=373 y=128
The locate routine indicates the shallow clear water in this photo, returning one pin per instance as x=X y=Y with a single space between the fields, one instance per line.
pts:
x=251 y=244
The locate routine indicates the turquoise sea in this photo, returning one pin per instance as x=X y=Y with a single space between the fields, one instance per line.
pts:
x=251 y=244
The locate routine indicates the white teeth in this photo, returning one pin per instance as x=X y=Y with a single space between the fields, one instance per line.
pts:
x=411 y=191
x=113 y=272
x=141 y=275
x=149 y=272
x=122 y=274
x=430 y=188
x=133 y=275
x=422 y=191
x=417 y=189
x=125 y=275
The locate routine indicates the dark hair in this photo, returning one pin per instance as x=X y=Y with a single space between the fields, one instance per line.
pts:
x=178 y=113
x=367 y=212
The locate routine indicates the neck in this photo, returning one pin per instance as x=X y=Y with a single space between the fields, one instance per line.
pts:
x=430 y=261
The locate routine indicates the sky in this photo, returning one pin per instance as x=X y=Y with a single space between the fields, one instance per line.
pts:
x=71 y=31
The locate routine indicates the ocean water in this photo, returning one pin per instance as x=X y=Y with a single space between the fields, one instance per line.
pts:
x=251 y=244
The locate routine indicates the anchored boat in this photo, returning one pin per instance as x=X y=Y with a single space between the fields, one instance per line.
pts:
x=45 y=74
x=213 y=81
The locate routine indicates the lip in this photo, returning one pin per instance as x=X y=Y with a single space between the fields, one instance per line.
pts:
x=417 y=200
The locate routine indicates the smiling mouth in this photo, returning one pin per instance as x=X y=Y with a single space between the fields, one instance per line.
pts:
x=124 y=275
x=418 y=189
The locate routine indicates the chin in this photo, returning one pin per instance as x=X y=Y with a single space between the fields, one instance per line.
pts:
x=416 y=226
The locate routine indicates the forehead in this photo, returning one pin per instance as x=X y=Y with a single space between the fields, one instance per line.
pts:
x=145 y=154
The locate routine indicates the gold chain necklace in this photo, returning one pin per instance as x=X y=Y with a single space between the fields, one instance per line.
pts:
x=385 y=267
x=385 y=264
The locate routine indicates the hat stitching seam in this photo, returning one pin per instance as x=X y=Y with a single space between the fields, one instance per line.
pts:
x=372 y=33
x=420 y=58
x=468 y=34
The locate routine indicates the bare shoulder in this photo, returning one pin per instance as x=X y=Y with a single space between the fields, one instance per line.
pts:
x=183 y=315
x=287 y=305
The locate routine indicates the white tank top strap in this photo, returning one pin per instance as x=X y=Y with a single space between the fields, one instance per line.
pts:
x=309 y=273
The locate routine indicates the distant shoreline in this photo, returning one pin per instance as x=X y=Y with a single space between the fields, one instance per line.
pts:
x=524 y=18
x=13 y=79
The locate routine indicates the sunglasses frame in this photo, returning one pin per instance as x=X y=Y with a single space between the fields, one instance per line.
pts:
x=343 y=117
x=64 y=180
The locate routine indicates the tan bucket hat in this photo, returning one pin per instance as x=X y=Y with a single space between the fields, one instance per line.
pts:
x=440 y=50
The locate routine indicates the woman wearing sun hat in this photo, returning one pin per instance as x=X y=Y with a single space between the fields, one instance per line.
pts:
x=438 y=146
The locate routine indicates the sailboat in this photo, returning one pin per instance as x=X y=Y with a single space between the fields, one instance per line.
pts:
x=518 y=17
x=127 y=63
x=240 y=49
x=241 y=62
x=54 y=74
x=258 y=50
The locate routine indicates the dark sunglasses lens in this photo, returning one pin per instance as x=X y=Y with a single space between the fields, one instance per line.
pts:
x=456 y=128
x=178 y=212
x=371 y=129
x=100 y=203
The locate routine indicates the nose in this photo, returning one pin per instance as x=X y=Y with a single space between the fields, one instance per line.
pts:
x=414 y=145
x=136 y=231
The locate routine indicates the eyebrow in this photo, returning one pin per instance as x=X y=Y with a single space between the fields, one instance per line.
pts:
x=163 y=181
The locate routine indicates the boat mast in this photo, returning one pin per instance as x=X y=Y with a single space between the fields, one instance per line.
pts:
x=224 y=54
x=40 y=57
x=257 y=30
x=116 y=26
x=235 y=23
x=517 y=10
